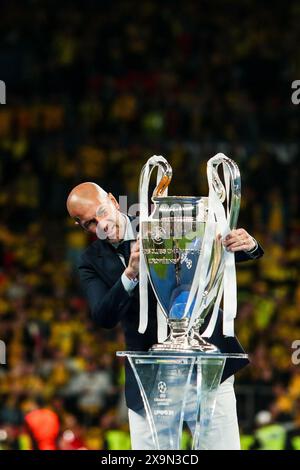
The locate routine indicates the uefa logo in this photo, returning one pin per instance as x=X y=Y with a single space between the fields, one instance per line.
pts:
x=162 y=387
x=158 y=235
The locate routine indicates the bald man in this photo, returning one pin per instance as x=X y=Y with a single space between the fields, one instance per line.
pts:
x=109 y=270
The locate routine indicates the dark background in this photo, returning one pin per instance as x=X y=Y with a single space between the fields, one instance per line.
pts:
x=94 y=89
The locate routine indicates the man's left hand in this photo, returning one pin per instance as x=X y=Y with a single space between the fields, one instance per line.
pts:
x=239 y=240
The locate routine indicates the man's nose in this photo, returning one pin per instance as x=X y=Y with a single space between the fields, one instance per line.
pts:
x=102 y=224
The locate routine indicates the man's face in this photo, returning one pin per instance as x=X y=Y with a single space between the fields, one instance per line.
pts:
x=104 y=219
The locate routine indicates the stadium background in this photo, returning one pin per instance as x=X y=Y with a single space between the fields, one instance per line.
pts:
x=93 y=89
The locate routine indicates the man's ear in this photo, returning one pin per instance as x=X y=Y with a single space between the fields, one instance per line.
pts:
x=113 y=200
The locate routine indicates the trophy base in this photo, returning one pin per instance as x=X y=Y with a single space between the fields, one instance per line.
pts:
x=180 y=340
x=160 y=347
x=185 y=347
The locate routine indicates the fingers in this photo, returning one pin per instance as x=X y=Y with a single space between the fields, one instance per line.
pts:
x=135 y=247
x=237 y=246
x=238 y=240
x=135 y=252
x=239 y=232
x=134 y=262
x=135 y=255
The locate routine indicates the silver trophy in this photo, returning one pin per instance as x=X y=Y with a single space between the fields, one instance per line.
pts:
x=182 y=249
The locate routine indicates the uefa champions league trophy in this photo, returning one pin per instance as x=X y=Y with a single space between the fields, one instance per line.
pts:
x=183 y=258
x=183 y=252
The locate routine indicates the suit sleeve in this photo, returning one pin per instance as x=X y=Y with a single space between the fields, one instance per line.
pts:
x=244 y=256
x=107 y=305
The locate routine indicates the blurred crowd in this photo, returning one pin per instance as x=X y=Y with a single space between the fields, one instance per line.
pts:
x=93 y=90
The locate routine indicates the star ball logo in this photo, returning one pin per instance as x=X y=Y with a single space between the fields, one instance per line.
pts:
x=2 y=92
x=162 y=387
x=158 y=235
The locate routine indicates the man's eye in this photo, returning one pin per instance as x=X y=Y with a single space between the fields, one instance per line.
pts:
x=90 y=222
x=102 y=213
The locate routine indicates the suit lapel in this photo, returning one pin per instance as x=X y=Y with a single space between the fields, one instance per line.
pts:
x=108 y=263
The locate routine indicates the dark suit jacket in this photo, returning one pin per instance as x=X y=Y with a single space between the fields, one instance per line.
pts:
x=100 y=272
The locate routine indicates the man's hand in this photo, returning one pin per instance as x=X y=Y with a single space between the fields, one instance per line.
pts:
x=239 y=240
x=132 y=269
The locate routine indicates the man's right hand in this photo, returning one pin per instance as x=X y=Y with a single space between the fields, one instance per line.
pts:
x=132 y=270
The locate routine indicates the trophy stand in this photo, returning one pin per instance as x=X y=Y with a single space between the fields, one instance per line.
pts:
x=176 y=388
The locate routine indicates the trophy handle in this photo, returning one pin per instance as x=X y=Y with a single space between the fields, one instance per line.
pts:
x=225 y=219
x=163 y=178
x=234 y=177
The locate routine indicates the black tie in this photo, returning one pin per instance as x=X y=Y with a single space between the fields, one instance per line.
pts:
x=124 y=249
